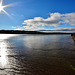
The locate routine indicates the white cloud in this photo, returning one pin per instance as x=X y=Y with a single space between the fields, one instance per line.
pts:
x=59 y=29
x=32 y=28
x=13 y=27
x=64 y=29
x=55 y=19
x=69 y=18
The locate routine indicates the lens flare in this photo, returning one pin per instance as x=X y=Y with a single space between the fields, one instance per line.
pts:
x=4 y=6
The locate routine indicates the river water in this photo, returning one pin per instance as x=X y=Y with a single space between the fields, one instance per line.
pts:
x=28 y=54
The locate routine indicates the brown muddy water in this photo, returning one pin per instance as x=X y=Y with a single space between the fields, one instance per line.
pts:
x=37 y=54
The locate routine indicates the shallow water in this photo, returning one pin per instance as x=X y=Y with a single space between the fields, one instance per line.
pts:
x=37 y=54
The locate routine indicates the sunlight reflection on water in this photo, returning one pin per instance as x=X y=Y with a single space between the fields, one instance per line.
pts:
x=3 y=53
x=3 y=48
x=6 y=36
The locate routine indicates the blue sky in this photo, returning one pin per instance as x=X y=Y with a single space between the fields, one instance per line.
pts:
x=22 y=11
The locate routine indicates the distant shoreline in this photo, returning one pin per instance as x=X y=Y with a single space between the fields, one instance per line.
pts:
x=29 y=32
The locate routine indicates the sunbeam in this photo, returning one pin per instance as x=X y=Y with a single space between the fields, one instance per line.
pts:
x=4 y=6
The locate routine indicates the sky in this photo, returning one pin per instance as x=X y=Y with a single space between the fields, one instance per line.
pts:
x=37 y=15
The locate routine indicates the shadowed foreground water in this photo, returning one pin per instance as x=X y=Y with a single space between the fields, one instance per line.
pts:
x=37 y=54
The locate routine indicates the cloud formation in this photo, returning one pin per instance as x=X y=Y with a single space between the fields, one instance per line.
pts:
x=63 y=29
x=13 y=27
x=55 y=19
x=69 y=18
x=66 y=30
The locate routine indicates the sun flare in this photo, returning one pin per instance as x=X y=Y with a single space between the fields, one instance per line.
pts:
x=4 y=6
x=1 y=7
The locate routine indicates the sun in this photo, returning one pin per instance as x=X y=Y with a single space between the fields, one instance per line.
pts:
x=5 y=6
x=1 y=7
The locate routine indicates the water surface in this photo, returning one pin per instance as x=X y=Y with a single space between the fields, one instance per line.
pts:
x=30 y=54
